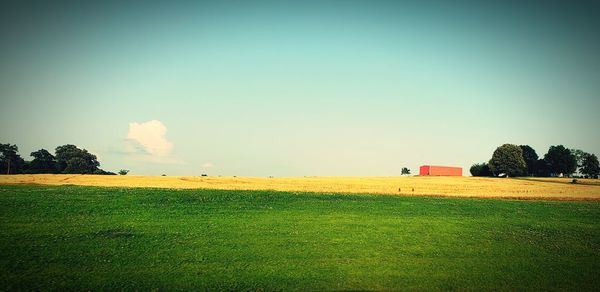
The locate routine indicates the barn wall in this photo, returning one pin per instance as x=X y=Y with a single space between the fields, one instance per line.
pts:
x=440 y=170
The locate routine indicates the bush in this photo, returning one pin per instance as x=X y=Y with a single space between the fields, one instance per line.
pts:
x=480 y=169
x=103 y=172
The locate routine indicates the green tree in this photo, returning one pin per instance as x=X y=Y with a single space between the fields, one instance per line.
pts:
x=590 y=166
x=530 y=157
x=560 y=160
x=480 y=169
x=123 y=171
x=579 y=155
x=541 y=168
x=78 y=165
x=10 y=160
x=64 y=153
x=26 y=166
x=508 y=159
x=71 y=159
x=43 y=162
x=405 y=171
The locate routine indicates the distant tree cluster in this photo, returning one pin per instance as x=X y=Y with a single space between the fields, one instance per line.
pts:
x=514 y=160
x=66 y=159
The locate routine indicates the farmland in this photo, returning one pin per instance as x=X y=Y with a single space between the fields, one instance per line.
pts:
x=517 y=188
x=107 y=238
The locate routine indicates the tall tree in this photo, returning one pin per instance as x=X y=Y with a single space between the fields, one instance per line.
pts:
x=10 y=160
x=64 y=153
x=71 y=159
x=530 y=157
x=43 y=162
x=560 y=160
x=590 y=166
x=508 y=159
x=541 y=168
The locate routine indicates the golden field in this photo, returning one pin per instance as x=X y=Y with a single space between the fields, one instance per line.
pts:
x=513 y=188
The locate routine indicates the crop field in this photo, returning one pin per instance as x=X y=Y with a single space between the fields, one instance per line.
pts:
x=112 y=238
x=517 y=188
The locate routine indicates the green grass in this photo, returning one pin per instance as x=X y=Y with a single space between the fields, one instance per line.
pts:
x=54 y=238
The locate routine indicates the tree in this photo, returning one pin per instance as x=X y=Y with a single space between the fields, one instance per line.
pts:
x=541 y=168
x=64 y=153
x=560 y=160
x=78 y=165
x=71 y=159
x=579 y=155
x=508 y=159
x=123 y=171
x=590 y=166
x=405 y=171
x=26 y=166
x=43 y=162
x=480 y=169
x=10 y=160
x=530 y=157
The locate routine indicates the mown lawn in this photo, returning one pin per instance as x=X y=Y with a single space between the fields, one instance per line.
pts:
x=90 y=238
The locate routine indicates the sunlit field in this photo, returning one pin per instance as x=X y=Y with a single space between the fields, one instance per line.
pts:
x=516 y=188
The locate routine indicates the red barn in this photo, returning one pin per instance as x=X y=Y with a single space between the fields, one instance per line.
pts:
x=440 y=170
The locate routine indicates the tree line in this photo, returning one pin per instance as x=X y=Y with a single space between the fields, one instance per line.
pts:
x=522 y=160
x=66 y=159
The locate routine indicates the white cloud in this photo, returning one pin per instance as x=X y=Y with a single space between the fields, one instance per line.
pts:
x=207 y=165
x=151 y=136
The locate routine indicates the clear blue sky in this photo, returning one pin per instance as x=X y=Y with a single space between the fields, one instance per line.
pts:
x=291 y=88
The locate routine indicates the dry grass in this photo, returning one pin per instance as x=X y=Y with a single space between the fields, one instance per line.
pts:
x=515 y=188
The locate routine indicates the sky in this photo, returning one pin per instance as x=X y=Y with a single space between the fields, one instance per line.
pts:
x=298 y=88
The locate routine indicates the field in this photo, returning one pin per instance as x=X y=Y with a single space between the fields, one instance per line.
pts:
x=517 y=188
x=114 y=238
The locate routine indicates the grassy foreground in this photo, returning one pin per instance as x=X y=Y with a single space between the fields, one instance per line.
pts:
x=71 y=237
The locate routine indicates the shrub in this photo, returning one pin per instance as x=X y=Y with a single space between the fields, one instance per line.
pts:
x=480 y=169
